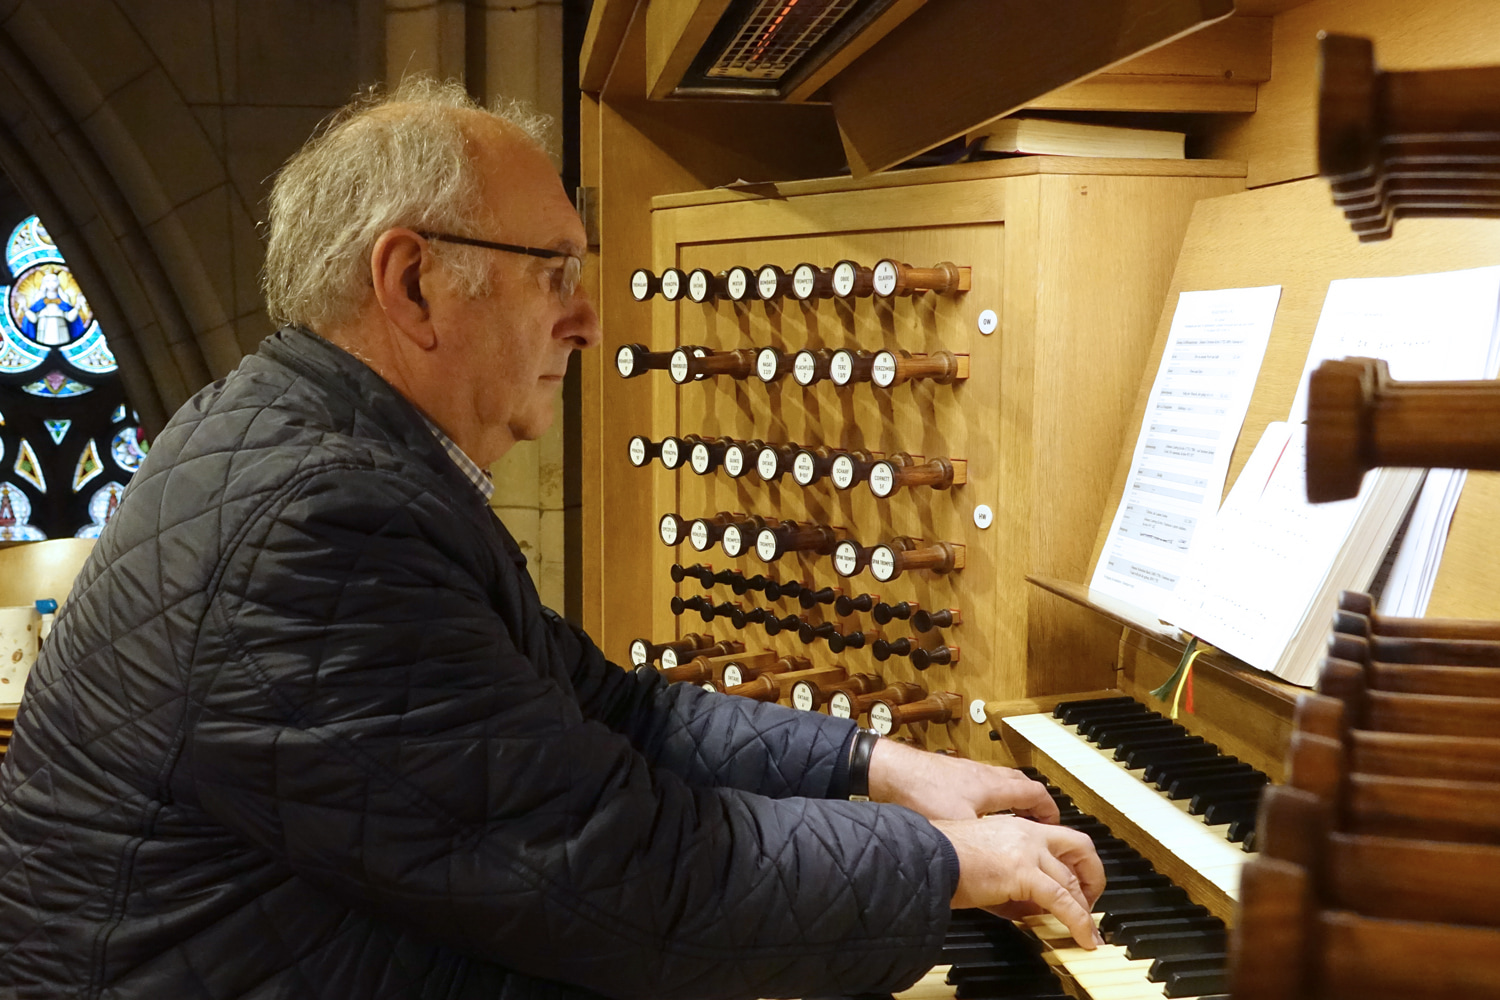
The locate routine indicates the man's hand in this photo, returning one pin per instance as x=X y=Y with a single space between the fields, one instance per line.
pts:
x=1013 y=866
x=942 y=787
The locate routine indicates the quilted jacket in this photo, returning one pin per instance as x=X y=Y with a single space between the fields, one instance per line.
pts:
x=304 y=730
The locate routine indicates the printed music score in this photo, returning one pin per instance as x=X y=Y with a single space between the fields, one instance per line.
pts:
x=1193 y=416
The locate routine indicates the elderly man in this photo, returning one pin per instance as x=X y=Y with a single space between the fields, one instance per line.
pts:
x=304 y=729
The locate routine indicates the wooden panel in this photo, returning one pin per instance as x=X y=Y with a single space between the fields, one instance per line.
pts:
x=1113 y=92
x=961 y=63
x=1040 y=451
x=675 y=31
x=888 y=21
x=1278 y=140
x=608 y=20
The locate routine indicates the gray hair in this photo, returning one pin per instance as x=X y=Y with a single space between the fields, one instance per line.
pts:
x=382 y=161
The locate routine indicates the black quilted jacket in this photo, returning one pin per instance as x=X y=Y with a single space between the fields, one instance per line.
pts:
x=304 y=730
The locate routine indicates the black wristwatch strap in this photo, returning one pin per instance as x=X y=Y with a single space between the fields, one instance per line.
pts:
x=859 y=763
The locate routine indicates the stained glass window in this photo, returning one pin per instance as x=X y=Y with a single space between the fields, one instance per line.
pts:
x=69 y=424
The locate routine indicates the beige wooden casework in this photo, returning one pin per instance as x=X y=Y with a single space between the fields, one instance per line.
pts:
x=1073 y=256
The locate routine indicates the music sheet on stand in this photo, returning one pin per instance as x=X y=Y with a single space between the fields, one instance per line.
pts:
x=1193 y=418
x=1427 y=327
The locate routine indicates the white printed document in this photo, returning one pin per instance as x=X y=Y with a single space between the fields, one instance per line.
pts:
x=1193 y=418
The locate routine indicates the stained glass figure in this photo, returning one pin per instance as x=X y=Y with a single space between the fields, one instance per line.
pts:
x=129 y=449
x=28 y=468
x=88 y=467
x=119 y=414
x=102 y=507
x=56 y=385
x=15 y=511
x=57 y=429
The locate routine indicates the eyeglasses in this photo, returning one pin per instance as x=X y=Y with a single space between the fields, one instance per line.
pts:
x=564 y=279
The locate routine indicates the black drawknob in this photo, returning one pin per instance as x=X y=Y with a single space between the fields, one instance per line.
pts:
x=812 y=598
x=885 y=613
x=846 y=606
x=884 y=649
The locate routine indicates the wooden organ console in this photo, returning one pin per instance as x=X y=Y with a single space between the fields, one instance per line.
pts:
x=921 y=390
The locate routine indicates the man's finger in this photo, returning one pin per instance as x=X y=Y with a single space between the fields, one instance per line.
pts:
x=1077 y=851
x=1063 y=876
x=1023 y=797
x=1057 y=901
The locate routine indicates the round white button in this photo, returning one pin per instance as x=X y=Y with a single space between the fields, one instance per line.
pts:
x=736 y=284
x=976 y=711
x=842 y=472
x=803 y=467
x=732 y=675
x=671 y=453
x=733 y=541
x=669 y=658
x=841 y=370
x=710 y=687
x=625 y=362
x=640 y=285
x=804 y=367
x=840 y=705
x=767 y=464
x=698 y=286
x=767 y=360
x=843 y=278
x=882 y=479
x=734 y=461
x=988 y=322
x=668 y=529
x=765 y=545
x=846 y=559
x=699 y=458
x=802 y=696
x=883 y=563
x=639 y=652
x=880 y=718
x=983 y=516
x=884 y=278
x=698 y=535
x=671 y=285
x=883 y=371
x=677 y=366
x=638 y=452
x=766 y=283
x=803 y=280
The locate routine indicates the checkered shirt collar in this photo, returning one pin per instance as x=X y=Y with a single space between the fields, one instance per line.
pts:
x=472 y=472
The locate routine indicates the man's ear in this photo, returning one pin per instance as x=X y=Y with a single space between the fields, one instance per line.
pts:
x=399 y=262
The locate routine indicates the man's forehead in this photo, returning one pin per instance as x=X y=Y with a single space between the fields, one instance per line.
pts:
x=523 y=190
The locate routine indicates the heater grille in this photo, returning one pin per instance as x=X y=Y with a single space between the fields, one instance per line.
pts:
x=775 y=35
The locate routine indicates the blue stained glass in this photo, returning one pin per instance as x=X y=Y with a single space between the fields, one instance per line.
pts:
x=102 y=507
x=17 y=352
x=29 y=245
x=56 y=385
x=91 y=353
x=57 y=429
x=128 y=450
x=119 y=414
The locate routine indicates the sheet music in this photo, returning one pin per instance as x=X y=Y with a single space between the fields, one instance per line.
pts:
x=1427 y=327
x=1193 y=417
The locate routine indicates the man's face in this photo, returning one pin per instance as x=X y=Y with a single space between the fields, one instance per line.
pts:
x=512 y=346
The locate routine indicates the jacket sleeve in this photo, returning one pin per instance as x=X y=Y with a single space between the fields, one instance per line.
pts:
x=361 y=713
x=705 y=738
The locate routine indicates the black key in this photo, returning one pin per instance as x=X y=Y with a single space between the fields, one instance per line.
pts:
x=1092 y=729
x=1134 y=899
x=1110 y=737
x=1155 y=771
x=1144 y=880
x=1196 y=984
x=1143 y=756
x=1240 y=831
x=1186 y=788
x=1182 y=943
x=1201 y=802
x=1129 y=933
x=1228 y=812
x=1154 y=742
x=1206 y=777
x=1094 y=829
x=1114 y=918
x=1012 y=966
x=1126 y=866
x=1067 y=711
x=1164 y=967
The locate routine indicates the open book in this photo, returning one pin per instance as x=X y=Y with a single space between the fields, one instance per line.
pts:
x=1054 y=138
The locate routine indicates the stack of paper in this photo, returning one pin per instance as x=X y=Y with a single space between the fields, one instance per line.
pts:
x=1260 y=577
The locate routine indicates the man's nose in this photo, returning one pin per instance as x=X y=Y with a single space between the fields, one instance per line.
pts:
x=581 y=324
